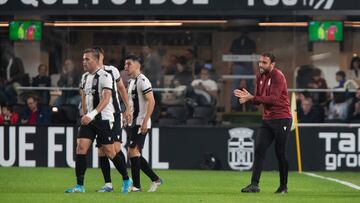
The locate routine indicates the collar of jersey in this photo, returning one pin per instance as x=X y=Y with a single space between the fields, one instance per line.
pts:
x=96 y=71
x=137 y=76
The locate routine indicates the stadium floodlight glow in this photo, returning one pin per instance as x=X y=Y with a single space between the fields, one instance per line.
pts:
x=4 y=24
x=55 y=109
x=109 y=23
x=283 y=24
x=131 y=23
x=352 y=23
x=198 y=21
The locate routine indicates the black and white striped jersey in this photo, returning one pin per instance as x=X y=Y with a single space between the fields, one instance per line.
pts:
x=93 y=86
x=115 y=74
x=137 y=89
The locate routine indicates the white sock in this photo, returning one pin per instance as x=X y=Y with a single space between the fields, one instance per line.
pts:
x=108 y=185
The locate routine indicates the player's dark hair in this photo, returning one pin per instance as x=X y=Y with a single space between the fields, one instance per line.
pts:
x=270 y=56
x=99 y=49
x=134 y=58
x=93 y=51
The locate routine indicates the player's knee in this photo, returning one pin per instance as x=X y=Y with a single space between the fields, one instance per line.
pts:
x=109 y=152
x=133 y=152
x=81 y=149
x=117 y=147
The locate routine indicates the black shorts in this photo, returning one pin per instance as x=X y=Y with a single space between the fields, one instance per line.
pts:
x=116 y=130
x=136 y=140
x=99 y=129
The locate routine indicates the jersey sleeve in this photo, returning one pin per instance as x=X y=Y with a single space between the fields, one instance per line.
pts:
x=106 y=81
x=145 y=85
x=116 y=74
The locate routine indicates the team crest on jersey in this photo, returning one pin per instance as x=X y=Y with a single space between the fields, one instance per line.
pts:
x=241 y=148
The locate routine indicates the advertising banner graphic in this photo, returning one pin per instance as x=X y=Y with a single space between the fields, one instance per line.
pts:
x=322 y=148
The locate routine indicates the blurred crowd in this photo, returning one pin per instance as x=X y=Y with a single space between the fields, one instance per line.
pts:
x=191 y=83
x=186 y=89
x=339 y=106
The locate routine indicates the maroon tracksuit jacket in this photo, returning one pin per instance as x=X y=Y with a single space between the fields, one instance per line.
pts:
x=271 y=91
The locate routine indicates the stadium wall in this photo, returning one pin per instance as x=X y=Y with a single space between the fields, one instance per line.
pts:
x=323 y=148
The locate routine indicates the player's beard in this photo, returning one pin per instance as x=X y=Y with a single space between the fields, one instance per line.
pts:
x=262 y=71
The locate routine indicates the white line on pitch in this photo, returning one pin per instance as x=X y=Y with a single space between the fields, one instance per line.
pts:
x=356 y=187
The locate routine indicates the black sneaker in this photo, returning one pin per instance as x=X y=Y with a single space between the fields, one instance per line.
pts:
x=281 y=190
x=251 y=189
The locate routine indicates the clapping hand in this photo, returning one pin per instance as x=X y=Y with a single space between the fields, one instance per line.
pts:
x=243 y=95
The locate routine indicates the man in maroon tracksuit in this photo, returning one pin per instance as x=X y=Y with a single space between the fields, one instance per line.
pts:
x=272 y=93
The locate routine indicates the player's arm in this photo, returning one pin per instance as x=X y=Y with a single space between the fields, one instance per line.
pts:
x=149 y=97
x=82 y=94
x=106 y=94
x=124 y=96
x=83 y=100
x=107 y=83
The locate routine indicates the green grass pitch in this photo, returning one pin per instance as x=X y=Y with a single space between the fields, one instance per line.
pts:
x=48 y=185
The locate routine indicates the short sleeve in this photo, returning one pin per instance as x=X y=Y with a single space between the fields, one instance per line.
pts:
x=144 y=85
x=115 y=73
x=106 y=81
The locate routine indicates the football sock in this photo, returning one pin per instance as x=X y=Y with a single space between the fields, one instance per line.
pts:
x=122 y=156
x=105 y=168
x=120 y=166
x=80 y=168
x=135 y=170
x=147 y=169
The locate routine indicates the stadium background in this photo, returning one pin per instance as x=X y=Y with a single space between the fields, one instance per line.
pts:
x=211 y=41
